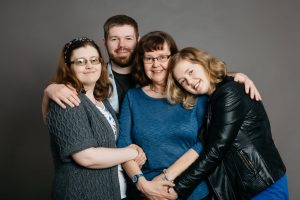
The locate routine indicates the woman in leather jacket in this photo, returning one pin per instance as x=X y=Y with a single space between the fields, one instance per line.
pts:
x=239 y=159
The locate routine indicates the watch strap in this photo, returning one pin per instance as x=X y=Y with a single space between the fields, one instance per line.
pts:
x=136 y=177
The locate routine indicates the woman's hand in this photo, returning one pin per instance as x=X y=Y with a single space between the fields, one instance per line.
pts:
x=156 y=189
x=173 y=192
x=141 y=157
x=161 y=177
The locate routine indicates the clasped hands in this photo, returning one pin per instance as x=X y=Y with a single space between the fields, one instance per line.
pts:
x=157 y=189
x=141 y=157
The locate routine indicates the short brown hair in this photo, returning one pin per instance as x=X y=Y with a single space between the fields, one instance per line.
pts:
x=215 y=68
x=65 y=74
x=152 y=41
x=120 y=20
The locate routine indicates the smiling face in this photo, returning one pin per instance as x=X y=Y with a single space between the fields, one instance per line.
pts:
x=157 y=70
x=121 y=44
x=192 y=77
x=88 y=73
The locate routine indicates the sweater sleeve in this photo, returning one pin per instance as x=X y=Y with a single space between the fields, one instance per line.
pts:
x=126 y=122
x=228 y=110
x=201 y=110
x=69 y=130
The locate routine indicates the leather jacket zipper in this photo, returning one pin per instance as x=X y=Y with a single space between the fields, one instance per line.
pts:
x=248 y=164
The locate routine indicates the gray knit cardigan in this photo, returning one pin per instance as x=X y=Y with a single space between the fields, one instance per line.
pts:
x=75 y=129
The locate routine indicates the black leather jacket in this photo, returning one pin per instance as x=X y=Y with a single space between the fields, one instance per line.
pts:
x=239 y=158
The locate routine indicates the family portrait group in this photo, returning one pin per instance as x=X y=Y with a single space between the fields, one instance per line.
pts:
x=156 y=122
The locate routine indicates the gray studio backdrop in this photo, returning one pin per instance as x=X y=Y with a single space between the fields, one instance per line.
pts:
x=256 y=37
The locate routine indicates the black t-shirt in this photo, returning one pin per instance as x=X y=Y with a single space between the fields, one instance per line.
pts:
x=123 y=83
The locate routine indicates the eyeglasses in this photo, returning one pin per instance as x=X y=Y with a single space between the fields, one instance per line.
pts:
x=161 y=59
x=83 y=61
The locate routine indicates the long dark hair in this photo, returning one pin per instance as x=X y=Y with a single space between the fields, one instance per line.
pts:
x=65 y=74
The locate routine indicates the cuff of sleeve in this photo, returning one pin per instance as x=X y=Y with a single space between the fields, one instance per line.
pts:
x=68 y=151
x=198 y=147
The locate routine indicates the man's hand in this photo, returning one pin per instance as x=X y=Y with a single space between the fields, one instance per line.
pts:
x=62 y=95
x=249 y=85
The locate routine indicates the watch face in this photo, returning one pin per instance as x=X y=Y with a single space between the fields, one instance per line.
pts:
x=134 y=179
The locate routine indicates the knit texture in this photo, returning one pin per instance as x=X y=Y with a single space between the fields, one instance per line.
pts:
x=73 y=130
x=164 y=131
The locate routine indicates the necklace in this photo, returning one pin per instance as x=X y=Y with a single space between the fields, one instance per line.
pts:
x=153 y=89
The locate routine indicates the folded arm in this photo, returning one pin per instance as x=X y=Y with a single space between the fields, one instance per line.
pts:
x=97 y=158
x=75 y=140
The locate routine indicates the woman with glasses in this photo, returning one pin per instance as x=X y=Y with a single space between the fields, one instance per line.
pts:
x=83 y=138
x=167 y=133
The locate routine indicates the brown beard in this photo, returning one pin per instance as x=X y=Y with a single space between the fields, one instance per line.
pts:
x=123 y=61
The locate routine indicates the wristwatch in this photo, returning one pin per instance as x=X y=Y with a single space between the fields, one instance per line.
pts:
x=136 y=177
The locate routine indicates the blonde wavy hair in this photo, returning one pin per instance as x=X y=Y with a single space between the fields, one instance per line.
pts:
x=215 y=68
